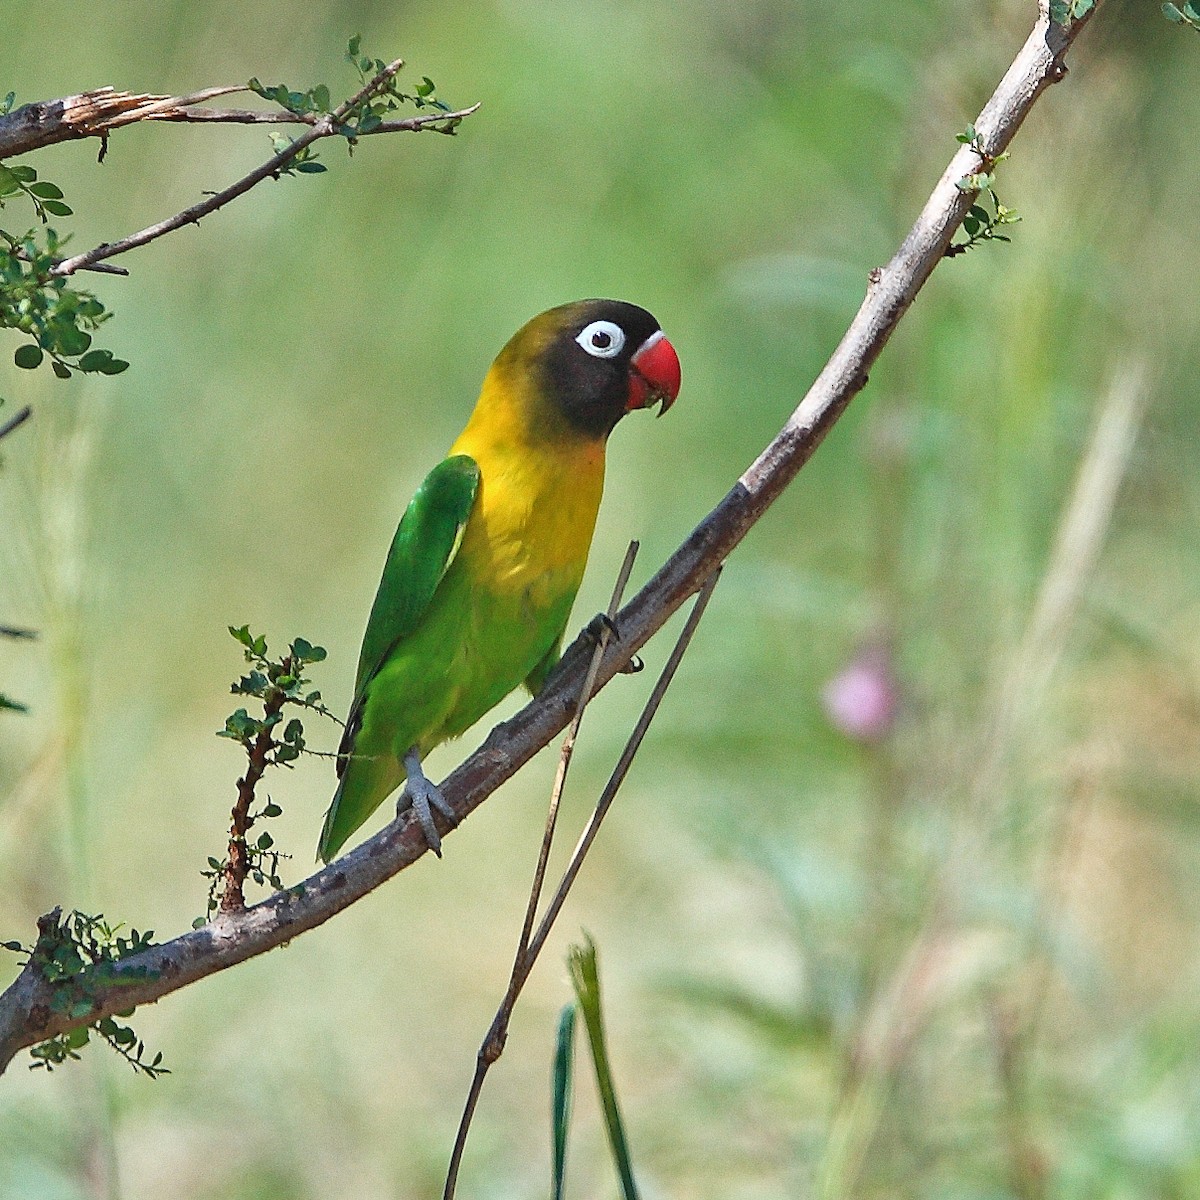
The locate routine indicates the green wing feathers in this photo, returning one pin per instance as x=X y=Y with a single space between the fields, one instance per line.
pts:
x=426 y=541
x=425 y=544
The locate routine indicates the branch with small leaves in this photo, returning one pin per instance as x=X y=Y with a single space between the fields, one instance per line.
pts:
x=339 y=122
x=232 y=938
x=60 y=320
x=278 y=684
x=982 y=224
x=77 y=957
x=33 y=300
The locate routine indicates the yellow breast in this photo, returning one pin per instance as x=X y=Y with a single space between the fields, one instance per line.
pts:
x=539 y=493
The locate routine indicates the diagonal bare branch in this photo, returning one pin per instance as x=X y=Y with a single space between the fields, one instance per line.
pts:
x=325 y=126
x=25 y=1016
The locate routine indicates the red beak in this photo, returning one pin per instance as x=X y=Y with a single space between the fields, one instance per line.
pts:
x=654 y=374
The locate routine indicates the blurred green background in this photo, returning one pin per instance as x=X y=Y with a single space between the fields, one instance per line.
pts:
x=948 y=951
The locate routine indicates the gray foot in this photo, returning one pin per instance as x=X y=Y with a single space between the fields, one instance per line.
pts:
x=423 y=796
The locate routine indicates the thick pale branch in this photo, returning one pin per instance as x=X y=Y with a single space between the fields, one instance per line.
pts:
x=25 y=1016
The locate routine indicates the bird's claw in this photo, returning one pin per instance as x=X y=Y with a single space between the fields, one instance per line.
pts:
x=600 y=622
x=422 y=797
x=595 y=628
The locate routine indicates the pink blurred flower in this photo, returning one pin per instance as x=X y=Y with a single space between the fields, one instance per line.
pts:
x=863 y=699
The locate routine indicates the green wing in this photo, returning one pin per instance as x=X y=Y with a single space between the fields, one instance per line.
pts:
x=425 y=544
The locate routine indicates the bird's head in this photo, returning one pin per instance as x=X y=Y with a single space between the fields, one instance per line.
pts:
x=593 y=361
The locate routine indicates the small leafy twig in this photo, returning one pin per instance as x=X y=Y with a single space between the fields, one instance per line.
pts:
x=980 y=224
x=984 y=177
x=277 y=684
x=327 y=125
x=59 y=319
x=77 y=955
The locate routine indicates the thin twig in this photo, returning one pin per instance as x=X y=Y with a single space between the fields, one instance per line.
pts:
x=325 y=126
x=528 y=951
x=568 y=748
x=25 y=1013
x=15 y=421
x=493 y=1043
x=623 y=764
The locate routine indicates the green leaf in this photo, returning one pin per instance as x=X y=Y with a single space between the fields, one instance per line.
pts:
x=28 y=356
x=8 y=182
x=7 y=703
x=320 y=97
x=562 y=1087
x=57 y=208
x=47 y=191
x=114 y=366
x=23 y=173
x=272 y=810
x=310 y=167
x=585 y=978
x=94 y=360
x=60 y=369
x=70 y=339
x=16 y=947
x=265 y=841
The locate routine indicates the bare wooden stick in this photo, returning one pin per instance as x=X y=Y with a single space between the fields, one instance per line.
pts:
x=15 y=421
x=25 y=1015
x=568 y=751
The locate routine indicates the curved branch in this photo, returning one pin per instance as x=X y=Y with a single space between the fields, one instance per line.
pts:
x=25 y=1013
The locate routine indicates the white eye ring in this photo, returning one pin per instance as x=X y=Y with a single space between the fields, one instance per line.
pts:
x=602 y=339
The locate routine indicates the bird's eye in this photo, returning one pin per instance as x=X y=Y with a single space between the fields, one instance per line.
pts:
x=602 y=339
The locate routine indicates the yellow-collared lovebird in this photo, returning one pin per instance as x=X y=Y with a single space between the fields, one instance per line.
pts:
x=485 y=564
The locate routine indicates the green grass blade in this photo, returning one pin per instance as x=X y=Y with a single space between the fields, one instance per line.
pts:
x=564 y=1060
x=585 y=977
